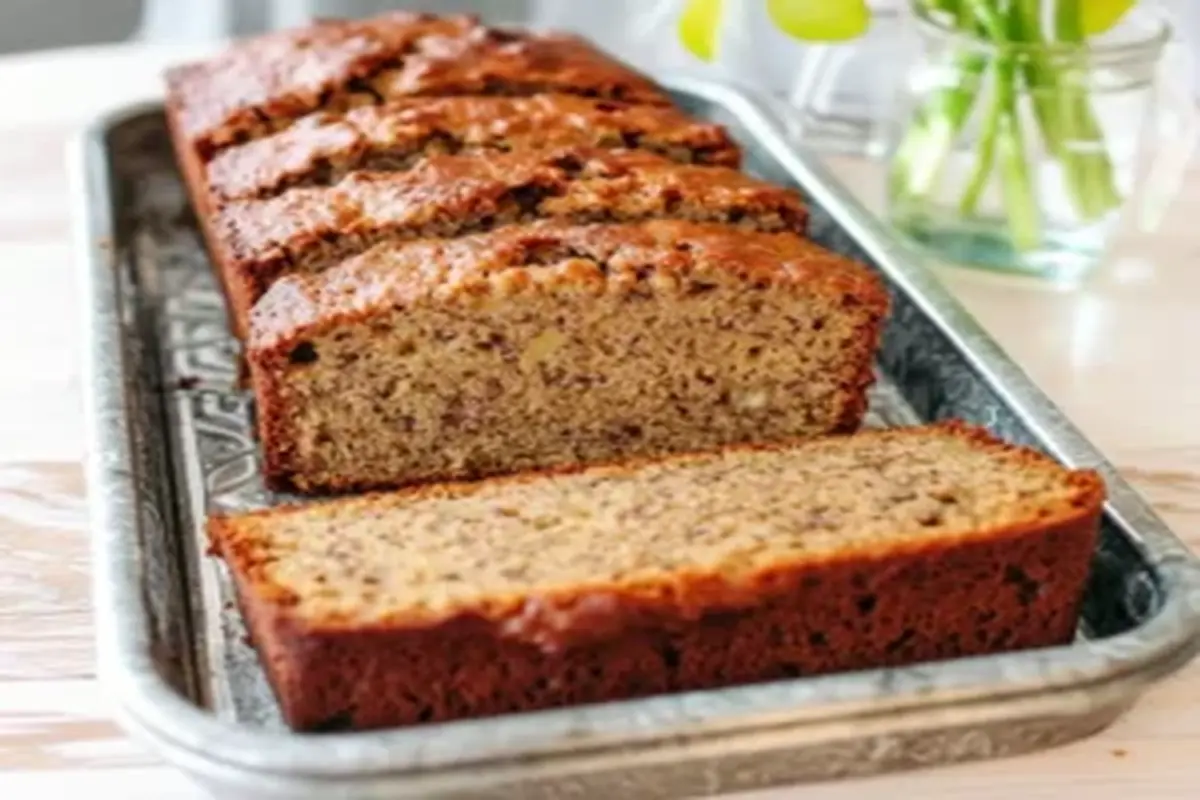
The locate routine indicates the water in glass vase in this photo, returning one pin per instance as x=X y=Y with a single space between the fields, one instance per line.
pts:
x=1022 y=145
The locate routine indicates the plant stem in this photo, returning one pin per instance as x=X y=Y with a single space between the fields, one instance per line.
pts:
x=986 y=158
x=922 y=154
x=1089 y=171
x=1020 y=200
x=1026 y=26
x=1003 y=129
x=1060 y=103
x=989 y=18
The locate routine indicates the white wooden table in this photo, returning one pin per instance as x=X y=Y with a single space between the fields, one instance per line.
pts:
x=1121 y=356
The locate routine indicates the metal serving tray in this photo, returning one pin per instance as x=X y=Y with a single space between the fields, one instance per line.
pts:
x=170 y=438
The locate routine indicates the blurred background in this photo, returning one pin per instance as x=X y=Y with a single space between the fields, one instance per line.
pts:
x=621 y=25
x=27 y=25
x=753 y=51
x=836 y=97
x=632 y=28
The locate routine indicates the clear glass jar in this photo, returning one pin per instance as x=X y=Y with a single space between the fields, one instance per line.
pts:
x=1023 y=158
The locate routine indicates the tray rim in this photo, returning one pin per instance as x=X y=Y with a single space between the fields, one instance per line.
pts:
x=1119 y=668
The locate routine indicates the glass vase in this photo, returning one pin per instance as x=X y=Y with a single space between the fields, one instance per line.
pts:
x=1023 y=157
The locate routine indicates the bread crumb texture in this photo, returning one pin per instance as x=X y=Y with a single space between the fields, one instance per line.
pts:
x=545 y=345
x=666 y=530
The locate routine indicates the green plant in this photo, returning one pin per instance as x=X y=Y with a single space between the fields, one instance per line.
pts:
x=1024 y=48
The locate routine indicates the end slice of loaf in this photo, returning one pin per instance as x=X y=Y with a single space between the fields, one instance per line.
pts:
x=742 y=565
x=550 y=344
x=264 y=83
x=311 y=229
x=323 y=148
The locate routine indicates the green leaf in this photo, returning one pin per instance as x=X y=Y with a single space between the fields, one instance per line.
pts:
x=1099 y=16
x=820 y=20
x=698 y=27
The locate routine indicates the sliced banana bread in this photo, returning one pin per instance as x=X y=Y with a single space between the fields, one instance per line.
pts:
x=744 y=565
x=547 y=344
x=309 y=229
x=263 y=84
x=323 y=148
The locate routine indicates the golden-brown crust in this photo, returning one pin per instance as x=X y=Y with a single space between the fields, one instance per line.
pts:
x=667 y=256
x=322 y=147
x=904 y=609
x=263 y=83
x=858 y=609
x=449 y=195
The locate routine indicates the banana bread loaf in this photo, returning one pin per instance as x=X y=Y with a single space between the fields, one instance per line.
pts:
x=323 y=148
x=875 y=549
x=310 y=229
x=541 y=345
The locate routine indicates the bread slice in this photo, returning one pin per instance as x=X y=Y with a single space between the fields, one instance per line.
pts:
x=743 y=565
x=262 y=84
x=548 y=344
x=323 y=148
x=310 y=229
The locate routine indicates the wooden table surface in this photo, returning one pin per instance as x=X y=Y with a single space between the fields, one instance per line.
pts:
x=1121 y=356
